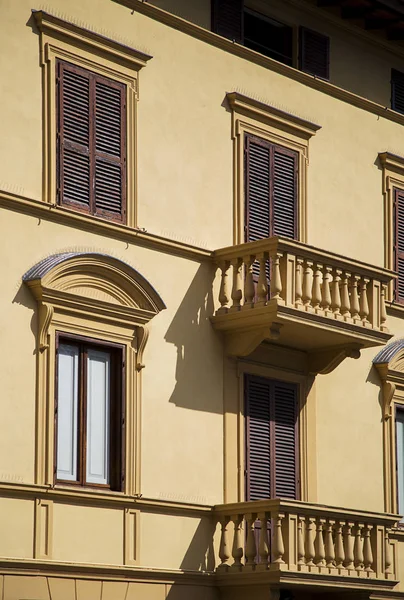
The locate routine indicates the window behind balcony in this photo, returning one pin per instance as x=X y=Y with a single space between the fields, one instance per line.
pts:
x=271 y=409
x=398 y=245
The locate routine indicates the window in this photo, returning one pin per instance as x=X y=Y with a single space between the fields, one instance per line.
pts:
x=272 y=466
x=272 y=38
x=400 y=459
x=397 y=90
x=271 y=190
x=398 y=244
x=89 y=414
x=91 y=141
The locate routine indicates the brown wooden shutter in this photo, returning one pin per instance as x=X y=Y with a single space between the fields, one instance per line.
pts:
x=91 y=142
x=227 y=19
x=314 y=55
x=397 y=90
x=286 y=446
x=284 y=192
x=73 y=137
x=399 y=244
x=272 y=465
x=257 y=189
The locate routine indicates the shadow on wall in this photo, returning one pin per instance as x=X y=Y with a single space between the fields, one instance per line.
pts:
x=199 y=370
x=25 y=298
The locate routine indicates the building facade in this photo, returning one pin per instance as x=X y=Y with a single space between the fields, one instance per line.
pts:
x=202 y=334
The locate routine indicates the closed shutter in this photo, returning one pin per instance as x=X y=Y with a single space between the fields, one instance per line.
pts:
x=284 y=192
x=91 y=143
x=314 y=56
x=227 y=19
x=399 y=244
x=271 y=439
x=397 y=90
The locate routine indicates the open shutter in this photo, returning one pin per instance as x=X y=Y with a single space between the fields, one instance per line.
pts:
x=110 y=168
x=399 y=244
x=314 y=56
x=284 y=192
x=73 y=137
x=67 y=412
x=397 y=90
x=258 y=440
x=227 y=19
x=286 y=443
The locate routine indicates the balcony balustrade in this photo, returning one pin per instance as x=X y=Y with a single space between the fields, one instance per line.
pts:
x=299 y=296
x=290 y=541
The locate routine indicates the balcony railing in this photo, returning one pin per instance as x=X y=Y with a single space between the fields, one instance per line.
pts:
x=275 y=282
x=291 y=539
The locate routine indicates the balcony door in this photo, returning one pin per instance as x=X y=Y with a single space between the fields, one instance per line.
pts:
x=271 y=190
x=272 y=439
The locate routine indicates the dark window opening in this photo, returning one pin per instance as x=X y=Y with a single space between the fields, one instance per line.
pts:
x=269 y=37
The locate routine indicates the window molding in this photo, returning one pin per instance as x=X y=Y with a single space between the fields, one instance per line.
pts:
x=392 y=179
x=65 y=41
x=253 y=117
x=389 y=364
x=98 y=297
x=234 y=421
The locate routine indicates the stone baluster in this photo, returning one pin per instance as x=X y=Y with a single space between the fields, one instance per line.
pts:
x=249 y=291
x=358 y=548
x=237 y=291
x=383 y=313
x=251 y=549
x=367 y=549
x=345 y=302
x=299 y=283
x=355 y=298
x=326 y=290
x=307 y=284
x=316 y=293
x=278 y=548
x=262 y=285
x=329 y=544
x=364 y=303
x=237 y=550
x=310 y=550
x=387 y=553
x=224 y=547
x=263 y=545
x=276 y=281
x=339 y=545
x=300 y=542
x=224 y=295
x=348 y=546
x=336 y=295
x=319 y=544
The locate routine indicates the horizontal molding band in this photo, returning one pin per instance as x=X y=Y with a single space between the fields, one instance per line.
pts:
x=64 y=216
x=255 y=57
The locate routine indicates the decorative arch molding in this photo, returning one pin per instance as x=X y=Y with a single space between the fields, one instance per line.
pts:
x=389 y=363
x=96 y=296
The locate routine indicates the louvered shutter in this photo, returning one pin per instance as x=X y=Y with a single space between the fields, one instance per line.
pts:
x=285 y=425
x=271 y=439
x=109 y=149
x=257 y=188
x=399 y=244
x=227 y=19
x=74 y=162
x=284 y=192
x=314 y=56
x=397 y=90
x=258 y=438
x=91 y=143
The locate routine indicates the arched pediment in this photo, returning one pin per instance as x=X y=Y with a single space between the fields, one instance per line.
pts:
x=391 y=357
x=93 y=278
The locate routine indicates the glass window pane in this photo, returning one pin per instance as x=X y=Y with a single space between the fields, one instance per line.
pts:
x=400 y=460
x=67 y=415
x=98 y=401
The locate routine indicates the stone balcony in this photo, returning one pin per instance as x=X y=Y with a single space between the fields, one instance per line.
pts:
x=290 y=543
x=324 y=304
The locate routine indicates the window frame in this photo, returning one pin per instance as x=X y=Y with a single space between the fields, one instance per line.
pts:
x=117 y=455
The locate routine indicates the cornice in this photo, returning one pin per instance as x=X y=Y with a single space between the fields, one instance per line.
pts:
x=392 y=162
x=218 y=41
x=55 y=27
x=275 y=116
x=138 y=237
